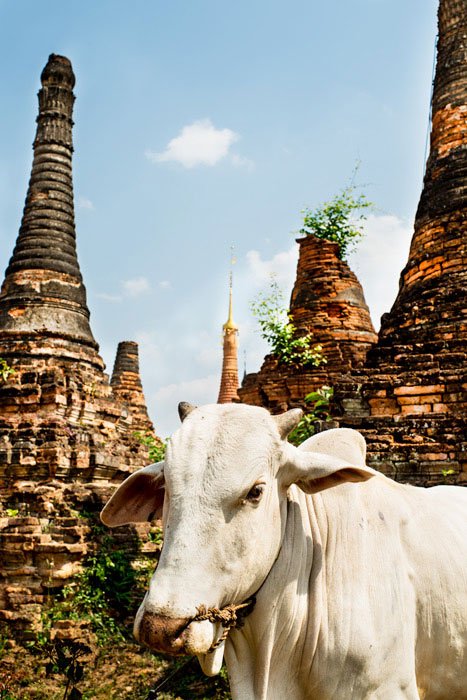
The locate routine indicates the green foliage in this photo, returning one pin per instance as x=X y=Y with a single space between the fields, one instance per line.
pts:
x=106 y=591
x=64 y=657
x=320 y=411
x=277 y=328
x=155 y=446
x=5 y=370
x=449 y=475
x=340 y=220
x=156 y=536
x=11 y=512
x=5 y=693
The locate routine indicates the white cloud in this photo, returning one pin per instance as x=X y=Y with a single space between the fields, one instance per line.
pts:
x=115 y=298
x=199 y=143
x=85 y=203
x=242 y=162
x=132 y=289
x=165 y=284
x=379 y=260
x=136 y=287
x=282 y=266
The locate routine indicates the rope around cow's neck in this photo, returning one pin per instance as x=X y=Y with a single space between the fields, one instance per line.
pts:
x=230 y=617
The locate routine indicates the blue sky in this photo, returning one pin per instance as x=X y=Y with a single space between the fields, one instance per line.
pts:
x=205 y=123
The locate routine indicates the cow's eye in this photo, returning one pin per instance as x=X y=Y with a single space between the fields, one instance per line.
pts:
x=255 y=493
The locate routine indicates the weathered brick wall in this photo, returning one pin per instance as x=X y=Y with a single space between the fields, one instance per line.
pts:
x=59 y=421
x=43 y=547
x=410 y=399
x=127 y=387
x=66 y=433
x=328 y=302
x=228 y=390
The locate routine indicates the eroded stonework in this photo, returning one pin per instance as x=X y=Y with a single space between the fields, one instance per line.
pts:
x=328 y=302
x=410 y=399
x=66 y=432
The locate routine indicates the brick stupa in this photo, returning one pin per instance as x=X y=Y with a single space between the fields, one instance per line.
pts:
x=58 y=414
x=228 y=390
x=66 y=433
x=410 y=399
x=328 y=302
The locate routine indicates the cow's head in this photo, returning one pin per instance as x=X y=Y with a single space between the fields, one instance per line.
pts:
x=222 y=493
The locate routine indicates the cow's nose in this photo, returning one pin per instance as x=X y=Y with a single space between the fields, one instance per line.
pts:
x=163 y=633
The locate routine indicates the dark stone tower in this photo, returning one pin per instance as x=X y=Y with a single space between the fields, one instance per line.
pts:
x=43 y=300
x=411 y=399
x=126 y=384
x=58 y=414
x=65 y=432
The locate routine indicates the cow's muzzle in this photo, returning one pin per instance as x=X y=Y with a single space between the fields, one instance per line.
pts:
x=192 y=635
x=161 y=633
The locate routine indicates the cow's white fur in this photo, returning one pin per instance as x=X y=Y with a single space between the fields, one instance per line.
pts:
x=361 y=588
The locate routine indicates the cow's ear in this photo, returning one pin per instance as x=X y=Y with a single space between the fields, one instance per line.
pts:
x=138 y=499
x=327 y=459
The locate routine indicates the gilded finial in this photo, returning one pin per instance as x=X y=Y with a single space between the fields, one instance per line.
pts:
x=230 y=324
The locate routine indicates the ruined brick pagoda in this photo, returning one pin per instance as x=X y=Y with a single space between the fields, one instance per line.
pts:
x=65 y=431
x=328 y=302
x=228 y=390
x=59 y=415
x=410 y=399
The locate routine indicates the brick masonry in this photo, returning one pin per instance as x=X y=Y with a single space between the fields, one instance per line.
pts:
x=410 y=398
x=228 y=389
x=406 y=393
x=328 y=302
x=66 y=432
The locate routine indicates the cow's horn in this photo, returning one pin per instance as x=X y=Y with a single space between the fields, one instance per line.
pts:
x=286 y=422
x=184 y=409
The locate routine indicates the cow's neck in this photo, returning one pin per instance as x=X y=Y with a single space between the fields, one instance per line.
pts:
x=286 y=618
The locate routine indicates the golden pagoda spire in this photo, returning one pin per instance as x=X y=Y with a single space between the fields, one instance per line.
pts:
x=229 y=379
x=230 y=324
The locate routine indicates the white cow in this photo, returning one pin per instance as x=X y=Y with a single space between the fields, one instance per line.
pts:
x=360 y=588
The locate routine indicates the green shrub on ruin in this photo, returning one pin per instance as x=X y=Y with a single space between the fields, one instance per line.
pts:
x=340 y=220
x=320 y=410
x=278 y=329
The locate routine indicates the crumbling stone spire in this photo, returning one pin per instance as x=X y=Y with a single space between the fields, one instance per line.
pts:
x=126 y=384
x=410 y=399
x=43 y=295
x=328 y=302
x=433 y=283
x=228 y=390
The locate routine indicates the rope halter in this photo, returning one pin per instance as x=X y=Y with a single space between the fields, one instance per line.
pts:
x=230 y=617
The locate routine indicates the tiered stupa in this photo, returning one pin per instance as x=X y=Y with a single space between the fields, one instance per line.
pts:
x=327 y=301
x=59 y=416
x=126 y=384
x=65 y=431
x=410 y=400
x=228 y=390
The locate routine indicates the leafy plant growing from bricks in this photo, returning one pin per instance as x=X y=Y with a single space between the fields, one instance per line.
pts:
x=277 y=328
x=339 y=220
x=320 y=411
